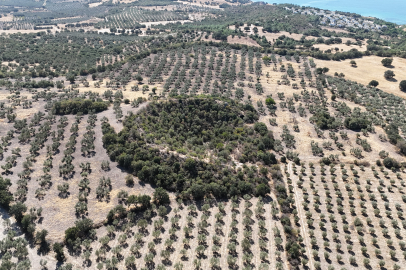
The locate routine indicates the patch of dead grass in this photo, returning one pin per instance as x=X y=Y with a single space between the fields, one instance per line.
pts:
x=369 y=68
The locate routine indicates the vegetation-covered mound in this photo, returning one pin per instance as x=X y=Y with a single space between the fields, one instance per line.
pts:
x=214 y=129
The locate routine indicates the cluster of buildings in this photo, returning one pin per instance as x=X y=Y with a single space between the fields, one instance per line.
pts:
x=331 y=18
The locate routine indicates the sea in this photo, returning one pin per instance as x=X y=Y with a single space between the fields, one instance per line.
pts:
x=390 y=10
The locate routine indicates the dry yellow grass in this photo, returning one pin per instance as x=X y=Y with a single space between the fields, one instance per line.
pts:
x=7 y=18
x=342 y=47
x=235 y=40
x=204 y=3
x=368 y=69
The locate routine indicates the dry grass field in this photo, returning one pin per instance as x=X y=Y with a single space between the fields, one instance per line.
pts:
x=341 y=47
x=368 y=69
x=234 y=40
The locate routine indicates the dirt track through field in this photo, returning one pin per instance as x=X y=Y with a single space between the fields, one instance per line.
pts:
x=298 y=200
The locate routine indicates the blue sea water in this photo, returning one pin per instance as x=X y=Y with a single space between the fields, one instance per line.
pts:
x=388 y=10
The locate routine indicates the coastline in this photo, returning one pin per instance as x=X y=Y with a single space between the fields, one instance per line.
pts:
x=371 y=8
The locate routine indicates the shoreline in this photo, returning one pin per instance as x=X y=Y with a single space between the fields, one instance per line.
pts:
x=341 y=7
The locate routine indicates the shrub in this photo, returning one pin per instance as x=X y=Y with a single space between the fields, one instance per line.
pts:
x=374 y=83
x=402 y=85
x=161 y=196
x=324 y=120
x=392 y=131
x=387 y=62
x=389 y=74
x=75 y=106
x=356 y=123
x=5 y=195
x=390 y=163
x=17 y=210
x=71 y=234
x=59 y=254
x=260 y=128
x=129 y=180
x=270 y=101
x=81 y=228
x=401 y=144
x=262 y=190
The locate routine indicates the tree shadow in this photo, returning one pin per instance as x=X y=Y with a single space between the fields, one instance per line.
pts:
x=391 y=80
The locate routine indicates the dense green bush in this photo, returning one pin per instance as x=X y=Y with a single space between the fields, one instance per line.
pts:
x=80 y=230
x=324 y=120
x=390 y=163
x=356 y=123
x=201 y=125
x=5 y=195
x=392 y=131
x=78 y=106
x=402 y=86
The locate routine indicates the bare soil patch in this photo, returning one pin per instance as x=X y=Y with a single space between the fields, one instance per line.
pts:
x=235 y=40
x=341 y=47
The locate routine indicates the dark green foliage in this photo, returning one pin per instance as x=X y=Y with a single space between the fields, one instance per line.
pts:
x=39 y=84
x=196 y=124
x=324 y=120
x=389 y=74
x=58 y=249
x=117 y=212
x=78 y=106
x=17 y=210
x=387 y=62
x=144 y=201
x=262 y=189
x=80 y=230
x=401 y=144
x=390 y=163
x=5 y=195
x=71 y=234
x=356 y=123
x=374 y=83
x=293 y=249
x=25 y=223
x=392 y=131
x=270 y=101
x=402 y=86
x=261 y=128
x=161 y=196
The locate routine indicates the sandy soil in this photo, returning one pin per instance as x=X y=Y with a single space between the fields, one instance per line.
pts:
x=169 y=7
x=95 y=4
x=7 y=18
x=149 y=24
x=235 y=40
x=342 y=47
x=201 y=4
x=370 y=68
